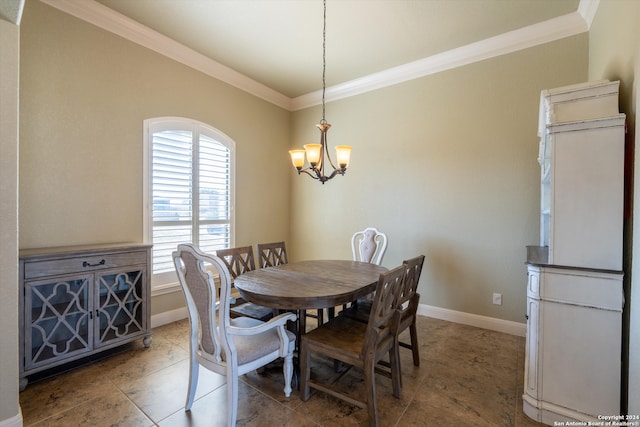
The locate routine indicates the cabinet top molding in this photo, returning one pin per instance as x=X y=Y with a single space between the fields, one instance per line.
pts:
x=85 y=249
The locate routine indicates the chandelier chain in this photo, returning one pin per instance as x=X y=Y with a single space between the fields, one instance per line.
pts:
x=324 y=58
x=317 y=154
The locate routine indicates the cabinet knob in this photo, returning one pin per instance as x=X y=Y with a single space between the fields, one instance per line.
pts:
x=88 y=264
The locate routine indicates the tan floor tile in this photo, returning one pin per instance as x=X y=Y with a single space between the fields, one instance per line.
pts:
x=139 y=362
x=165 y=391
x=111 y=409
x=467 y=376
x=254 y=409
x=57 y=394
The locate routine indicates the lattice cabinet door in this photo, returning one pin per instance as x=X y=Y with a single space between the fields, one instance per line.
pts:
x=58 y=314
x=120 y=306
x=77 y=301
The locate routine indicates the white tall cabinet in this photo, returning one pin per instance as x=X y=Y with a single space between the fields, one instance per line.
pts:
x=574 y=286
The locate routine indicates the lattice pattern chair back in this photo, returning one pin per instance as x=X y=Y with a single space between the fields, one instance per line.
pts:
x=238 y=260
x=358 y=344
x=369 y=245
x=272 y=254
x=381 y=327
x=408 y=302
x=414 y=270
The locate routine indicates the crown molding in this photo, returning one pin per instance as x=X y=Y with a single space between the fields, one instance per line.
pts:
x=513 y=41
x=114 y=22
x=544 y=32
x=11 y=10
x=587 y=9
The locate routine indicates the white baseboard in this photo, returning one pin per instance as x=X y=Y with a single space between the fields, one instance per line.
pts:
x=15 y=421
x=485 y=322
x=168 y=317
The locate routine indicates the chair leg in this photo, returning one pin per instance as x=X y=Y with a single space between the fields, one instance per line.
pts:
x=415 y=348
x=396 y=372
x=305 y=371
x=194 y=368
x=370 y=386
x=232 y=397
x=287 y=370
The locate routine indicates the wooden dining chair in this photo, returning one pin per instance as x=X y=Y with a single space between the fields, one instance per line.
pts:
x=408 y=302
x=273 y=254
x=238 y=261
x=229 y=347
x=358 y=344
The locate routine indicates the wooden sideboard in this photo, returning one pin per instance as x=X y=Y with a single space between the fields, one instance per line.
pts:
x=77 y=301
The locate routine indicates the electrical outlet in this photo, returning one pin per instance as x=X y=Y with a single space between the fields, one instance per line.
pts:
x=497 y=299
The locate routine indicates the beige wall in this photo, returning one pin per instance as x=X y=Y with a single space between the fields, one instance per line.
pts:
x=614 y=54
x=9 y=72
x=84 y=95
x=446 y=166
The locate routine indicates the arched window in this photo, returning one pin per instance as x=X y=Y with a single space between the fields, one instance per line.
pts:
x=189 y=190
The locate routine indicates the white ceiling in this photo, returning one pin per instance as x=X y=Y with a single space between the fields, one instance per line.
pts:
x=273 y=48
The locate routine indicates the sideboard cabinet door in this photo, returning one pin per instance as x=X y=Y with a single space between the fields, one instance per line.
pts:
x=121 y=306
x=81 y=300
x=57 y=315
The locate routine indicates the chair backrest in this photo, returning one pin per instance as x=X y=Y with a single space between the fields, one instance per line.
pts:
x=272 y=254
x=201 y=294
x=369 y=245
x=238 y=260
x=410 y=287
x=384 y=313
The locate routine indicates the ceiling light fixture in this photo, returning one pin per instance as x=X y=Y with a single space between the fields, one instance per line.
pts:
x=316 y=152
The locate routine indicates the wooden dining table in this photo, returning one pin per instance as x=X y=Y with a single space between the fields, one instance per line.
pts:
x=304 y=285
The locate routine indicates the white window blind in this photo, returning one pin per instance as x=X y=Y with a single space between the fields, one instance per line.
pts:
x=190 y=190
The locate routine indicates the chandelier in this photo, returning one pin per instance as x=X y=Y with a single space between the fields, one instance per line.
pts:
x=316 y=153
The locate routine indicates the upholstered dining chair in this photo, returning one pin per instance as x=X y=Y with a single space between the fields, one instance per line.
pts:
x=358 y=344
x=229 y=347
x=240 y=260
x=369 y=245
x=272 y=254
x=408 y=302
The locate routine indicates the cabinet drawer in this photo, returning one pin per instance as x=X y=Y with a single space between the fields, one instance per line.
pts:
x=93 y=262
x=589 y=289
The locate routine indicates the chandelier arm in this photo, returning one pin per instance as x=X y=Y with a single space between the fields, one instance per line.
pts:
x=306 y=170
x=326 y=150
x=323 y=178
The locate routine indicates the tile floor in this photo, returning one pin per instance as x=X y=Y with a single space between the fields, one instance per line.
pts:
x=467 y=377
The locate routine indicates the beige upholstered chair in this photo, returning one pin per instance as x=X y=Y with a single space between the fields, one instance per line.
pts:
x=407 y=303
x=240 y=260
x=358 y=344
x=272 y=254
x=230 y=347
x=369 y=245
